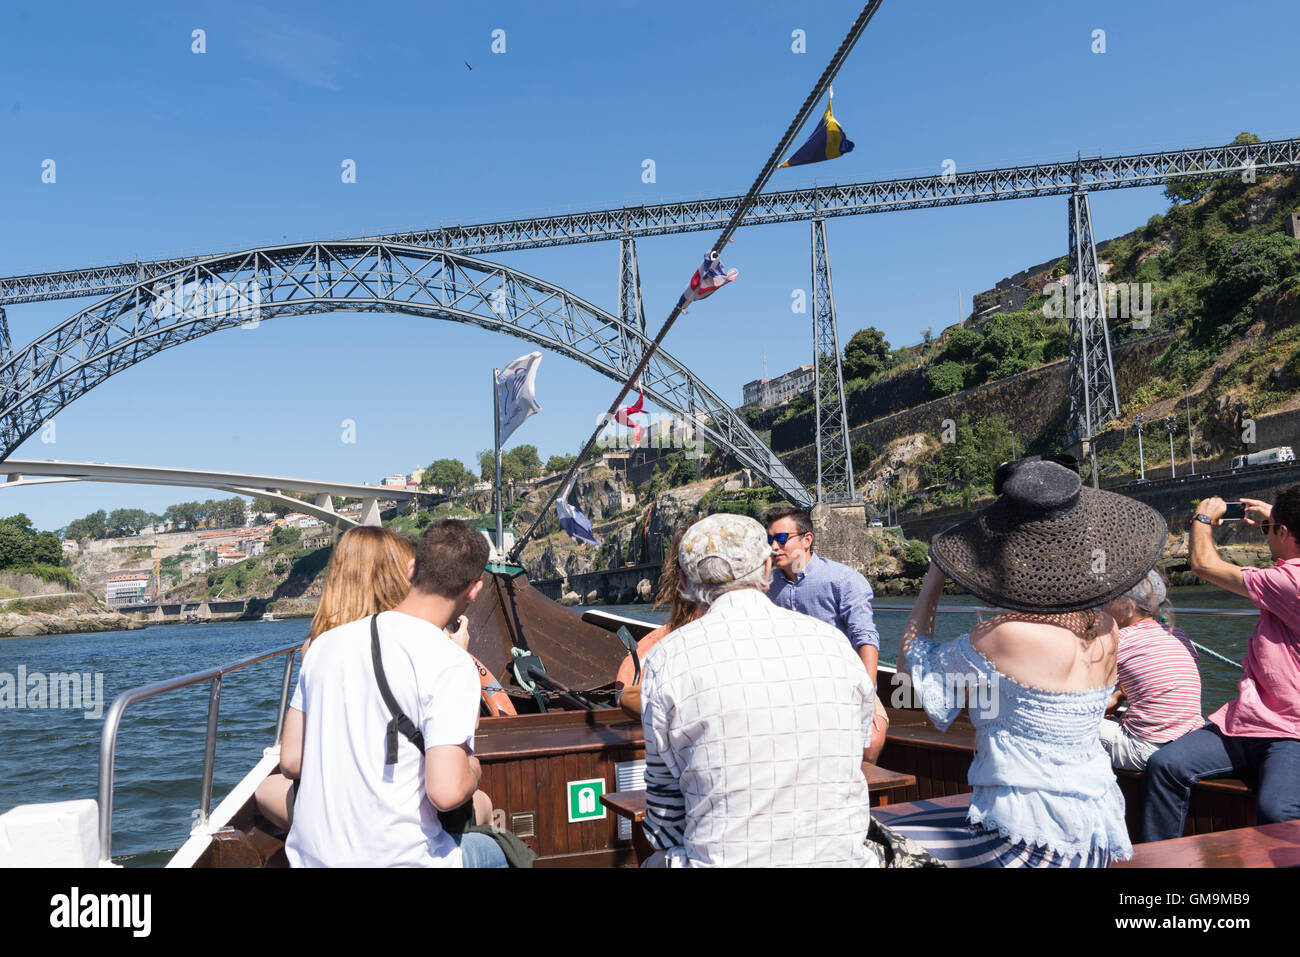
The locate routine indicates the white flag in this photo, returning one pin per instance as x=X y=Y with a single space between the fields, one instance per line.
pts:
x=516 y=400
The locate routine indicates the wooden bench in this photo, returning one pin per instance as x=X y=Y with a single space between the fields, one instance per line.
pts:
x=1266 y=845
x=631 y=805
x=887 y=815
x=884 y=785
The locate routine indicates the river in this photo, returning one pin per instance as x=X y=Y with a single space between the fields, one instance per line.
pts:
x=51 y=754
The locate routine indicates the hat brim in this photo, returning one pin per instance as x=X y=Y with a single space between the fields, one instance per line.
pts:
x=1097 y=551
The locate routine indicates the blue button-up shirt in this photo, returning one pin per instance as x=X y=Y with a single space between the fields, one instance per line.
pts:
x=830 y=592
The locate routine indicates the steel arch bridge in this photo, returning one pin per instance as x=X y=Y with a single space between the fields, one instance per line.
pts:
x=245 y=288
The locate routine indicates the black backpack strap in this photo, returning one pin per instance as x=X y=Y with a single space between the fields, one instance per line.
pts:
x=400 y=721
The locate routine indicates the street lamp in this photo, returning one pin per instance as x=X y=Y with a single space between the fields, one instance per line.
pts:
x=1013 y=444
x=1171 y=424
x=1190 y=450
x=1142 y=469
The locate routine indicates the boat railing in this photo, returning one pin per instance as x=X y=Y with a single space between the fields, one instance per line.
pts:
x=113 y=718
x=980 y=610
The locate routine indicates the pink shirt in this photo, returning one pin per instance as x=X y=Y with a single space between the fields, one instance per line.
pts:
x=1158 y=672
x=1268 y=705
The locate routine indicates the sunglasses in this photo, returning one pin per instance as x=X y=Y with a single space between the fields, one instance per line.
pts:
x=1267 y=524
x=782 y=537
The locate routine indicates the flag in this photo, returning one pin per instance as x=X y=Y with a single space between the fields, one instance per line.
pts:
x=623 y=417
x=516 y=399
x=827 y=142
x=573 y=521
x=708 y=279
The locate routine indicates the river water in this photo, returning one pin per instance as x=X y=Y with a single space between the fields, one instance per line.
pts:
x=51 y=753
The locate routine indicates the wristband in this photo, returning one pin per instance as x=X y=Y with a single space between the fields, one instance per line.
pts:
x=1203 y=518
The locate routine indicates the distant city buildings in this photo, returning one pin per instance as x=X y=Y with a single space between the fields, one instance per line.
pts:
x=765 y=393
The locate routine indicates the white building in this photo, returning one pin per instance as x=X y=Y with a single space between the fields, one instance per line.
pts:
x=126 y=589
x=765 y=393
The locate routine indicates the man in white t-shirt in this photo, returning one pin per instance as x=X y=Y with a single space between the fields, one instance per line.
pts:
x=353 y=809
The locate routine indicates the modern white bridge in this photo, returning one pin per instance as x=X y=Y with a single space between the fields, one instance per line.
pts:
x=22 y=472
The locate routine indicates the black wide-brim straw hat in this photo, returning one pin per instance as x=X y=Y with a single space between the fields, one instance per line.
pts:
x=1050 y=545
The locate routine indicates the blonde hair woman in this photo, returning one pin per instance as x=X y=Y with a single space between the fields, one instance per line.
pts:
x=368 y=573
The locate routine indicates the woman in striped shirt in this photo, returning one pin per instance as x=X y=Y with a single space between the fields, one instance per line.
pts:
x=1157 y=674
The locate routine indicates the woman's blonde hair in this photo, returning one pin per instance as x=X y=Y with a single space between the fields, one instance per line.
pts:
x=367 y=575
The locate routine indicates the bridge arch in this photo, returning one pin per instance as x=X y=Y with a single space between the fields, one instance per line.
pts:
x=233 y=289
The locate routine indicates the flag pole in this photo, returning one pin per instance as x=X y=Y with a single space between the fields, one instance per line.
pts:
x=782 y=147
x=496 y=445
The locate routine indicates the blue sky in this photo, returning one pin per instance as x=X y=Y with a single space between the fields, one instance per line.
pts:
x=161 y=151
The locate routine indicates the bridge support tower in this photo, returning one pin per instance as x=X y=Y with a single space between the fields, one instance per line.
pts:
x=834 y=458
x=1094 y=400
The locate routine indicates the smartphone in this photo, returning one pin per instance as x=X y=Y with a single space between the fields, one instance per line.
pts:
x=1235 y=512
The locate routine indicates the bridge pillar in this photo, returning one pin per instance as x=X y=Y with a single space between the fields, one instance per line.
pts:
x=1094 y=400
x=630 y=308
x=834 y=458
x=370 y=512
x=325 y=501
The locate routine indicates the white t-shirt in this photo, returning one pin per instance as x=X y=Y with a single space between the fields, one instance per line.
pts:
x=351 y=810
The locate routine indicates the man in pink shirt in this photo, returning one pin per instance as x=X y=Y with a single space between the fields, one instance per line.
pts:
x=1260 y=731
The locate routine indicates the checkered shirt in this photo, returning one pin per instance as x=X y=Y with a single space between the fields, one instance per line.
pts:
x=755 y=722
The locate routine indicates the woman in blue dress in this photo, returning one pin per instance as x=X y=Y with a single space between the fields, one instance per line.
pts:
x=1037 y=678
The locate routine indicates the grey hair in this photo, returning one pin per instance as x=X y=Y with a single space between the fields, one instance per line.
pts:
x=704 y=594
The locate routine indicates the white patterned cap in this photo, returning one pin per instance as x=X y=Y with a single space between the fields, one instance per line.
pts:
x=1149 y=594
x=738 y=540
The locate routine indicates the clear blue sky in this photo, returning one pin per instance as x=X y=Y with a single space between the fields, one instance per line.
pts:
x=160 y=151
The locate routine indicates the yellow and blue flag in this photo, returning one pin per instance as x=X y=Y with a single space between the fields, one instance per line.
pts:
x=827 y=142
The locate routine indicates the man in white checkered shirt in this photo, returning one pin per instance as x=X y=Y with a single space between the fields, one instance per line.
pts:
x=755 y=721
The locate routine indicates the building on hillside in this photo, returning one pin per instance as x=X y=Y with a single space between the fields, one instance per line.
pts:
x=394 y=481
x=765 y=393
x=127 y=589
x=317 y=541
x=415 y=477
x=1292 y=225
x=230 y=558
x=70 y=546
x=254 y=546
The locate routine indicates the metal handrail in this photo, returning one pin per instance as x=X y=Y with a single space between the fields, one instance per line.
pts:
x=984 y=608
x=113 y=718
x=980 y=609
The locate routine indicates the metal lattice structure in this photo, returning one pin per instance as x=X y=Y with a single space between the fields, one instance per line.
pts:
x=792 y=205
x=630 y=308
x=1094 y=399
x=834 y=458
x=246 y=288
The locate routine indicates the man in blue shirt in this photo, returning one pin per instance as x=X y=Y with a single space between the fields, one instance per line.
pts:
x=825 y=590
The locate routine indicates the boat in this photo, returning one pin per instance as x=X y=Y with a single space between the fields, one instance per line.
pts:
x=268 y=617
x=570 y=736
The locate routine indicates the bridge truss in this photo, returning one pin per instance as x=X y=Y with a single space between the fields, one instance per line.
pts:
x=1089 y=174
x=249 y=287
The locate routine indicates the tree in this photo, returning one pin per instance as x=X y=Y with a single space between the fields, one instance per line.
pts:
x=945 y=378
x=15 y=545
x=47 y=550
x=127 y=521
x=447 y=474
x=523 y=462
x=866 y=355
x=559 y=463
x=88 y=527
x=271 y=506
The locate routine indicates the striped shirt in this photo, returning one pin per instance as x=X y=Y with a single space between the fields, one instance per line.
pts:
x=1158 y=672
x=755 y=721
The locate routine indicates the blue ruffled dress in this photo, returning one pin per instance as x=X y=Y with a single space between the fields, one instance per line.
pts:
x=1043 y=791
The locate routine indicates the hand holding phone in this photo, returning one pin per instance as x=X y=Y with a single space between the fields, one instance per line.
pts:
x=1234 y=512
